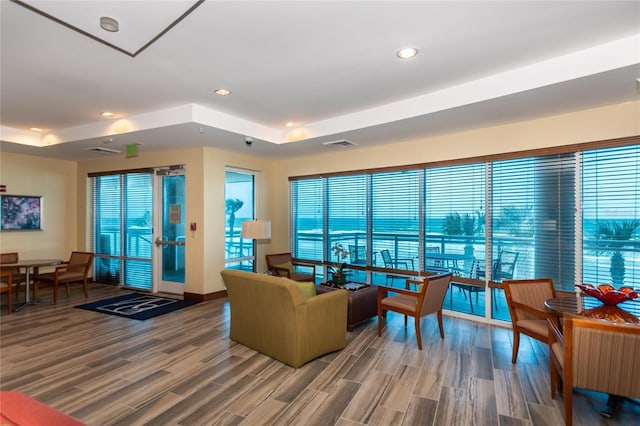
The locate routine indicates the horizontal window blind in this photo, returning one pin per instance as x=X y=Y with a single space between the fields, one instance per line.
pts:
x=454 y=218
x=611 y=216
x=533 y=219
x=307 y=218
x=346 y=213
x=122 y=227
x=395 y=205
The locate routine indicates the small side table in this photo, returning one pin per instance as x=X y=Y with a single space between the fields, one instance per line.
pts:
x=362 y=304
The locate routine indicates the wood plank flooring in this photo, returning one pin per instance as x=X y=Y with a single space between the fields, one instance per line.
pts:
x=182 y=369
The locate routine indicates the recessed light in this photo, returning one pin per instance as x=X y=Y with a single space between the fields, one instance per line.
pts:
x=407 y=53
x=222 y=92
x=109 y=24
x=289 y=124
x=36 y=129
x=107 y=114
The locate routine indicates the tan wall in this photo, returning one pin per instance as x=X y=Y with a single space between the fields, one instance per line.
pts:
x=55 y=181
x=66 y=197
x=615 y=121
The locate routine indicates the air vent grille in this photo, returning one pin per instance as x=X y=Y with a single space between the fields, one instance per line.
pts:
x=102 y=150
x=343 y=143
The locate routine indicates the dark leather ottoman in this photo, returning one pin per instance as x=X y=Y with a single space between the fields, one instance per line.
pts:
x=362 y=305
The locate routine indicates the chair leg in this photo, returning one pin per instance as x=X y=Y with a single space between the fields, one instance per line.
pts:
x=84 y=287
x=9 y=301
x=418 y=335
x=439 y=313
x=379 y=321
x=470 y=302
x=568 y=403
x=553 y=378
x=516 y=345
x=66 y=286
x=405 y=321
x=55 y=293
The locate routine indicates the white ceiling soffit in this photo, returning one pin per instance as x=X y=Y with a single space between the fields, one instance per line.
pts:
x=139 y=25
x=329 y=67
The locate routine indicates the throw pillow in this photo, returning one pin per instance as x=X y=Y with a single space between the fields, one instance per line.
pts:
x=308 y=288
x=286 y=265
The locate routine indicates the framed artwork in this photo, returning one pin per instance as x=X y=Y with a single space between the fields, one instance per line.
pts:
x=20 y=213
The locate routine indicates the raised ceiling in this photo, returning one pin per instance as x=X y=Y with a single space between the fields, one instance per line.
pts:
x=328 y=67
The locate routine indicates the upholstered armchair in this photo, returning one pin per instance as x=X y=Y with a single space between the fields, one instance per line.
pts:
x=284 y=265
x=594 y=354
x=273 y=316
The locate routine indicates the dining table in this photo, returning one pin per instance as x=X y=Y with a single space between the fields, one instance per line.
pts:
x=590 y=307
x=29 y=265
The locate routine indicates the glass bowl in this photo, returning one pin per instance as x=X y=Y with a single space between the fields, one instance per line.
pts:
x=607 y=294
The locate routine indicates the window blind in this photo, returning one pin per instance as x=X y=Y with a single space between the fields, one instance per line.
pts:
x=454 y=217
x=346 y=213
x=611 y=216
x=395 y=205
x=122 y=228
x=307 y=218
x=533 y=219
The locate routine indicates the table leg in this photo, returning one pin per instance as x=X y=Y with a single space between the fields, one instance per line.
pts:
x=27 y=278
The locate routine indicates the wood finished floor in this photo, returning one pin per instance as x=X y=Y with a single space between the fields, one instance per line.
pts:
x=181 y=368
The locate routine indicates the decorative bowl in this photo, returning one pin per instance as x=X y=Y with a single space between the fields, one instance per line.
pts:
x=607 y=294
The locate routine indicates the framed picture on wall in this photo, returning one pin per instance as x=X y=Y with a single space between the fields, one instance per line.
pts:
x=20 y=213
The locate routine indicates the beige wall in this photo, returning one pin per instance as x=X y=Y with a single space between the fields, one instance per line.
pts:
x=615 y=121
x=55 y=181
x=64 y=184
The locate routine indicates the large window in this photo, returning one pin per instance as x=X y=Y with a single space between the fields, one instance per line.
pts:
x=573 y=216
x=122 y=228
x=239 y=206
x=611 y=216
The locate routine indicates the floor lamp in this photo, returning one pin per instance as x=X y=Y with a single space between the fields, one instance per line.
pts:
x=256 y=230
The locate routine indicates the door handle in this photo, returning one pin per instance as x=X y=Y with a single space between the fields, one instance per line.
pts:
x=160 y=242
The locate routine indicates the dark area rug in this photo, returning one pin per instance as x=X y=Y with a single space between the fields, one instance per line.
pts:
x=137 y=306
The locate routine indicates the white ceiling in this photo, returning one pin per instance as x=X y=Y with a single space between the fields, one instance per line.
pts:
x=328 y=66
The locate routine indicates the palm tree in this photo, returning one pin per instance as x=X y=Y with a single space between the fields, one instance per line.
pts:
x=613 y=235
x=467 y=224
x=232 y=205
x=516 y=221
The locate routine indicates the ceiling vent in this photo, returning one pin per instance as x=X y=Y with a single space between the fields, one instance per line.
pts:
x=102 y=150
x=343 y=143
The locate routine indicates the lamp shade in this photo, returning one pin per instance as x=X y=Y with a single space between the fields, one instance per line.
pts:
x=256 y=229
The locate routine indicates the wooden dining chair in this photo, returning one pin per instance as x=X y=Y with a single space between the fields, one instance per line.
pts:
x=75 y=270
x=426 y=299
x=525 y=299
x=17 y=276
x=597 y=355
x=284 y=265
x=6 y=285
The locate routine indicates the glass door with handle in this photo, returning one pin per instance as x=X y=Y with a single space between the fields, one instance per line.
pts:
x=169 y=238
